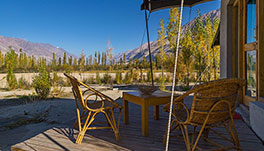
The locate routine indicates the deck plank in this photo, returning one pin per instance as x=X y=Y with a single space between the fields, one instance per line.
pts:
x=63 y=137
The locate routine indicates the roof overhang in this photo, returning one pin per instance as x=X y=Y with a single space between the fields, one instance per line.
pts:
x=154 y=5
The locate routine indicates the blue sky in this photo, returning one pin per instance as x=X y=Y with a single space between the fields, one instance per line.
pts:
x=84 y=24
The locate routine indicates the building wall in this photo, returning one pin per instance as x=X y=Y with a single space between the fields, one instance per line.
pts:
x=226 y=39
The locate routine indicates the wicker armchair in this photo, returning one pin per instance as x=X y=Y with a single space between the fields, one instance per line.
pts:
x=90 y=109
x=213 y=105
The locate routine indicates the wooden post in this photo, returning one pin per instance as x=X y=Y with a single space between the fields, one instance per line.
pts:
x=260 y=46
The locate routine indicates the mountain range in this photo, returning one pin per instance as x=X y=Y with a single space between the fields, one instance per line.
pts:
x=46 y=50
x=31 y=48
x=142 y=51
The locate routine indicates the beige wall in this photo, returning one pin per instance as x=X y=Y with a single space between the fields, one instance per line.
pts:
x=29 y=76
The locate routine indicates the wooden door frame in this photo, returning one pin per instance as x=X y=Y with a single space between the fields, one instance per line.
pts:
x=240 y=45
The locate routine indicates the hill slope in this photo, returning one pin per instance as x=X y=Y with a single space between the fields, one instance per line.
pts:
x=30 y=48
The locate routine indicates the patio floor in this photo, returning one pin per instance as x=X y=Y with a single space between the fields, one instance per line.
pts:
x=63 y=137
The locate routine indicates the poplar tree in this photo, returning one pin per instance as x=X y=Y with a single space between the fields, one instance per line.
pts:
x=75 y=64
x=53 y=63
x=10 y=65
x=161 y=44
x=99 y=57
x=70 y=61
x=1 y=58
x=187 y=52
x=95 y=58
x=20 y=61
x=200 y=46
x=172 y=28
x=59 y=63
x=64 y=61
x=25 y=58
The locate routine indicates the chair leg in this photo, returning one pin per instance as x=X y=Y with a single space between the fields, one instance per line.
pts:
x=193 y=135
x=82 y=117
x=82 y=130
x=234 y=134
x=185 y=135
x=110 y=121
x=206 y=133
x=199 y=136
x=116 y=131
x=119 y=117
x=166 y=132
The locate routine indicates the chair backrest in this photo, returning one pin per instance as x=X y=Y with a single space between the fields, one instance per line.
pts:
x=79 y=95
x=76 y=90
x=217 y=98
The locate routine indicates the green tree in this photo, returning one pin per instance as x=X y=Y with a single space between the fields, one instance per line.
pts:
x=187 y=52
x=25 y=60
x=199 y=39
x=172 y=27
x=59 y=63
x=1 y=59
x=75 y=64
x=161 y=43
x=124 y=58
x=20 y=61
x=42 y=82
x=10 y=65
x=95 y=58
x=53 y=63
x=99 y=57
x=64 y=61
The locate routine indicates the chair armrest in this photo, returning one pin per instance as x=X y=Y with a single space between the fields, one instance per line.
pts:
x=178 y=99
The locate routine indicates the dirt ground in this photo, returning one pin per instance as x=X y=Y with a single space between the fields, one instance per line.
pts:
x=21 y=119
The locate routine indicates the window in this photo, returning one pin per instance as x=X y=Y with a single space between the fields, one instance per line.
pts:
x=251 y=73
x=251 y=21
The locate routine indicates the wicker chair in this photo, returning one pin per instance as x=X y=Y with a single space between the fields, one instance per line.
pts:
x=90 y=109
x=213 y=105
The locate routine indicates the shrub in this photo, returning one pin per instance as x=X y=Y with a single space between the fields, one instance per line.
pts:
x=162 y=81
x=98 y=79
x=107 y=79
x=128 y=78
x=55 y=79
x=23 y=84
x=11 y=80
x=149 y=76
x=135 y=75
x=118 y=77
x=42 y=83
x=169 y=78
x=90 y=80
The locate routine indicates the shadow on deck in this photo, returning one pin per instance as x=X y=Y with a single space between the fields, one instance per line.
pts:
x=63 y=137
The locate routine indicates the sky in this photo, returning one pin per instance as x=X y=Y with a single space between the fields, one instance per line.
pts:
x=77 y=25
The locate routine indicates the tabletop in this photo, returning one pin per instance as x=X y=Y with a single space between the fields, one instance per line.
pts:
x=157 y=93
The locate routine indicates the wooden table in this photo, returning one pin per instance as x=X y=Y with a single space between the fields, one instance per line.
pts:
x=156 y=99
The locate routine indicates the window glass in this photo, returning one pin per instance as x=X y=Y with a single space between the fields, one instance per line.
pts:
x=251 y=73
x=251 y=21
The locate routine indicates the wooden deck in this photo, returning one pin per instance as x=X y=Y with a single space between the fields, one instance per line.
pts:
x=63 y=137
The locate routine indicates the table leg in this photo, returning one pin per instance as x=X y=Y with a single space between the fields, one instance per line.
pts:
x=125 y=111
x=144 y=120
x=156 y=112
